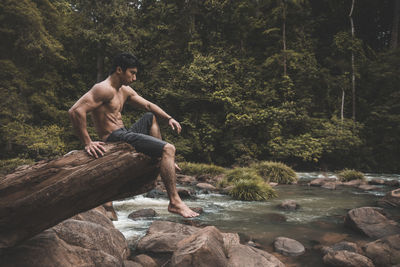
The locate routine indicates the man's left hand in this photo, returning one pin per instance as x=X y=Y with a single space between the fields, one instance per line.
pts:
x=175 y=125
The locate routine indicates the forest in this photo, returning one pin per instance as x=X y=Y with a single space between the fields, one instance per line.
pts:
x=312 y=83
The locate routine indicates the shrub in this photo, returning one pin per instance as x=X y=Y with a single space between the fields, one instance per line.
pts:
x=237 y=174
x=348 y=175
x=252 y=190
x=276 y=172
x=8 y=165
x=190 y=168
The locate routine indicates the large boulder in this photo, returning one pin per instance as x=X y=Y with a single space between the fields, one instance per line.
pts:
x=371 y=222
x=204 y=248
x=322 y=181
x=241 y=256
x=289 y=205
x=288 y=247
x=391 y=199
x=87 y=239
x=384 y=251
x=142 y=213
x=344 y=258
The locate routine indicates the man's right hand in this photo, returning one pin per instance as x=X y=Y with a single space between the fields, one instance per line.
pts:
x=95 y=149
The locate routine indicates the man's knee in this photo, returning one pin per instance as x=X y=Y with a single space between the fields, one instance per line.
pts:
x=169 y=150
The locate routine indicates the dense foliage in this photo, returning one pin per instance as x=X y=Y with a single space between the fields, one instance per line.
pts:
x=248 y=80
x=276 y=172
x=190 y=168
x=349 y=175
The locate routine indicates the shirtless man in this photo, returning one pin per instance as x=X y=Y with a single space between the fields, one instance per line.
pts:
x=105 y=100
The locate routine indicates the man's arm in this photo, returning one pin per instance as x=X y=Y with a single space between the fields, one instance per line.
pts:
x=139 y=102
x=88 y=102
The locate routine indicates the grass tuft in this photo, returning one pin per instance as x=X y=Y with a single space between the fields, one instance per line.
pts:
x=349 y=175
x=276 y=172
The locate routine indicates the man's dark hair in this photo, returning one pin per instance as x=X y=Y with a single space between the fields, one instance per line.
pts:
x=125 y=61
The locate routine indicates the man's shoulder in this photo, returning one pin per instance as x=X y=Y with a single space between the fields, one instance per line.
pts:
x=102 y=90
x=128 y=90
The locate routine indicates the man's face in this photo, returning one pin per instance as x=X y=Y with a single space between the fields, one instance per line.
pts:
x=129 y=76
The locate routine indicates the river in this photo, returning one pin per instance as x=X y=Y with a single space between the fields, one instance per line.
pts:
x=319 y=221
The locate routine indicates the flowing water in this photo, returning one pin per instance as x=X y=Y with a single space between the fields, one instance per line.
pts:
x=319 y=221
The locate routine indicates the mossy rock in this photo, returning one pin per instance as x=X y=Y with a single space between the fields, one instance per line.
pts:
x=276 y=172
x=190 y=168
x=252 y=190
x=349 y=175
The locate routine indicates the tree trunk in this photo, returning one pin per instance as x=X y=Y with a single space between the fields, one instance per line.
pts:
x=395 y=27
x=353 y=67
x=342 y=107
x=40 y=196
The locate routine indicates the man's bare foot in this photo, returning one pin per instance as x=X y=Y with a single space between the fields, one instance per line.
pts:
x=177 y=167
x=183 y=210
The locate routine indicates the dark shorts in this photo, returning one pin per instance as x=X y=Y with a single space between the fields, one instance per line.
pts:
x=138 y=137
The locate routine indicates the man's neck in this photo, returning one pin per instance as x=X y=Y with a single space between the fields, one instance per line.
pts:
x=114 y=81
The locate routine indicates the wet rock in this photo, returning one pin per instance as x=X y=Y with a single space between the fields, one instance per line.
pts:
x=143 y=213
x=288 y=247
x=321 y=181
x=371 y=222
x=241 y=255
x=206 y=186
x=289 y=205
x=186 y=193
x=227 y=189
x=145 y=260
x=346 y=258
x=393 y=183
x=185 y=179
x=204 y=248
x=384 y=251
x=156 y=193
x=344 y=245
x=376 y=181
x=110 y=212
x=88 y=239
x=367 y=187
x=204 y=178
x=199 y=210
x=272 y=184
x=329 y=185
x=391 y=199
x=354 y=183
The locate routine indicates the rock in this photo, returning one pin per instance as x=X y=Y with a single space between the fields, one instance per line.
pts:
x=58 y=189
x=204 y=248
x=272 y=184
x=329 y=185
x=384 y=251
x=227 y=189
x=346 y=258
x=145 y=261
x=206 y=186
x=163 y=236
x=241 y=255
x=391 y=199
x=204 y=178
x=355 y=183
x=110 y=212
x=88 y=239
x=321 y=181
x=143 y=213
x=288 y=247
x=185 y=193
x=367 y=187
x=230 y=239
x=199 y=210
x=289 y=205
x=156 y=193
x=132 y=264
x=185 y=179
x=344 y=245
x=371 y=222
x=376 y=181
x=393 y=183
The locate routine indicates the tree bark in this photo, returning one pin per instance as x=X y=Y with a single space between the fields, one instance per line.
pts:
x=40 y=196
x=395 y=27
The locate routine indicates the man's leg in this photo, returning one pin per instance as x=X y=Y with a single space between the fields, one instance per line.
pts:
x=168 y=175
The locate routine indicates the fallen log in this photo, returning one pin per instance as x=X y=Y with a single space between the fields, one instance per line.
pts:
x=37 y=197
